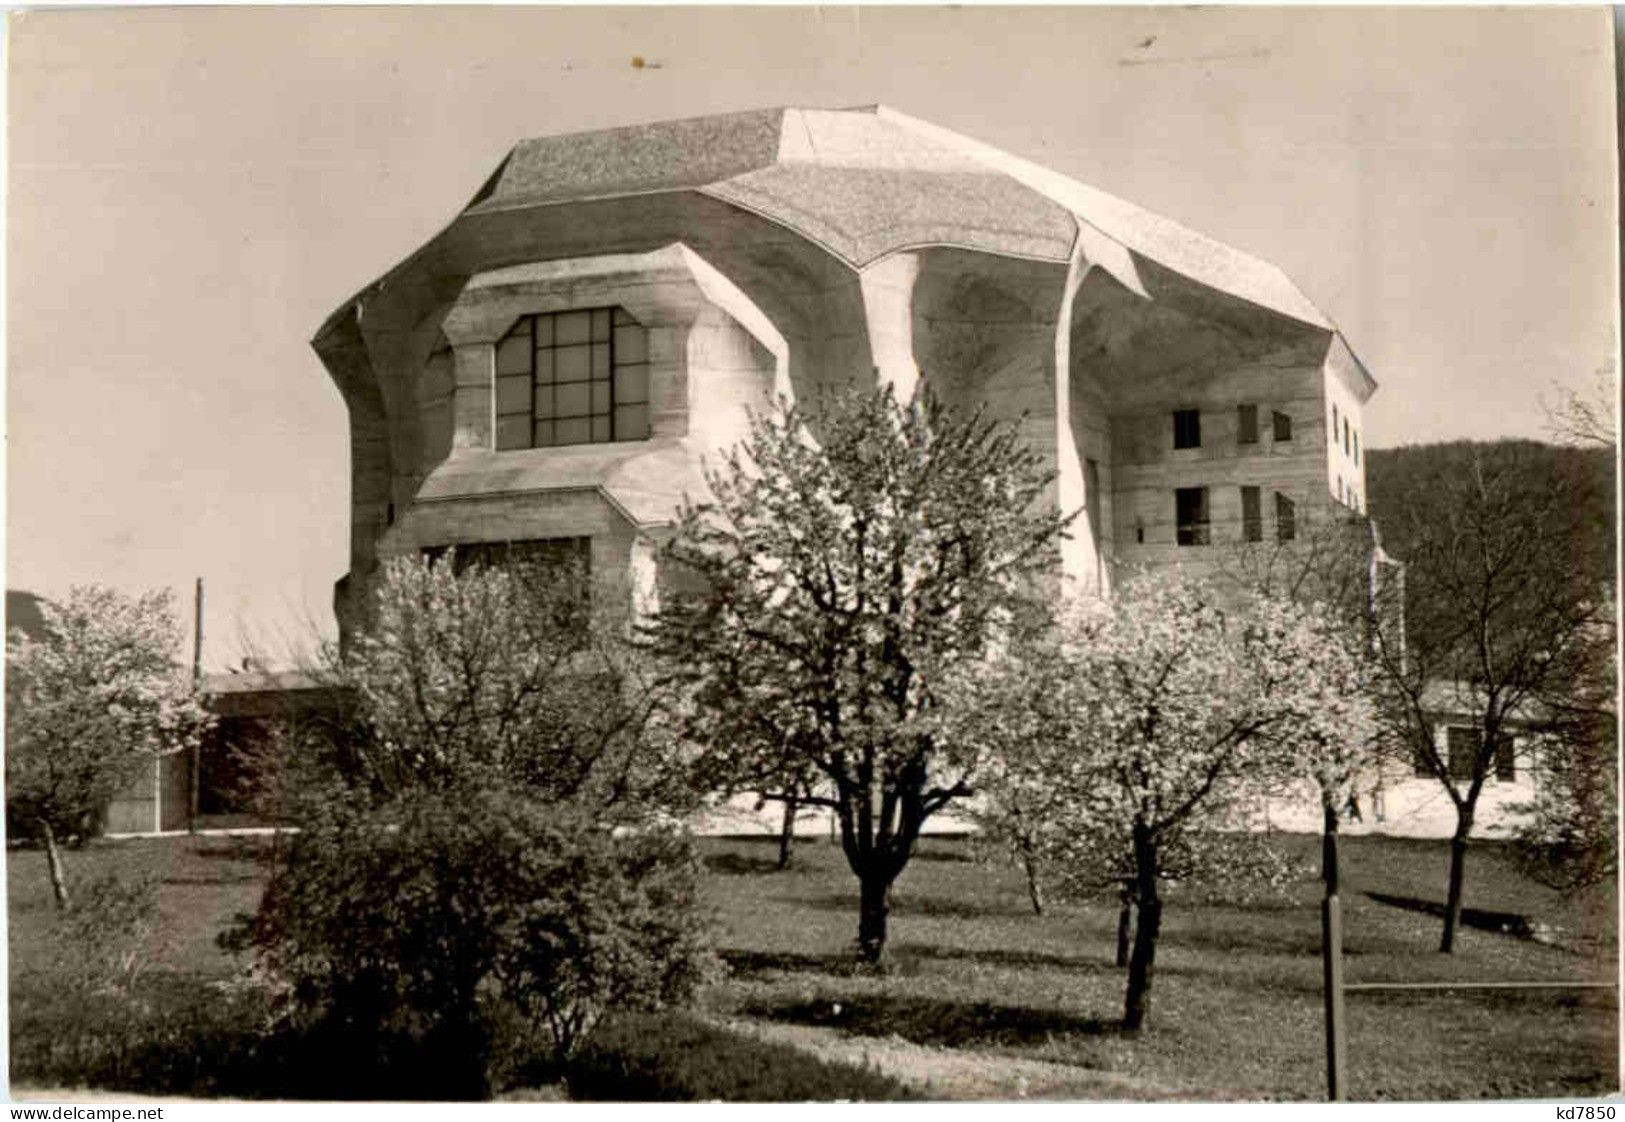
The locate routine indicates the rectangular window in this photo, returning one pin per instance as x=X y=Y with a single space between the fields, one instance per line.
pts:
x=1506 y=764
x=1356 y=447
x=1187 y=428
x=1190 y=516
x=1286 y=519
x=1463 y=745
x=1283 y=425
x=1345 y=436
x=579 y=377
x=1252 y=515
x=1246 y=424
x=1333 y=441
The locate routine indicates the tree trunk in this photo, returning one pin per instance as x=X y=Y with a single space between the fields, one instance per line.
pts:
x=1125 y=921
x=874 y=908
x=53 y=858
x=1035 y=890
x=1458 y=870
x=787 y=833
x=1137 y=1002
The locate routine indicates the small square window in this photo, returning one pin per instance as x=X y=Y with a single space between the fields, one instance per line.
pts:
x=1246 y=424
x=1283 y=425
x=1187 y=428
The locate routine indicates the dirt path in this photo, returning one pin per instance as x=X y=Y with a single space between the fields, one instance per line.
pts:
x=954 y=1074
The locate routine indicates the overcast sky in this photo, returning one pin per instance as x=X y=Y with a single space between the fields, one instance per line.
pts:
x=192 y=191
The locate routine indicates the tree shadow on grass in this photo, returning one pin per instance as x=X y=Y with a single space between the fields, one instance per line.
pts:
x=933 y=906
x=1008 y=957
x=747 y=964
x=1250 y=939
x=741 y=865
x=955 y=856
x=945 y=1024
x=1501 y=923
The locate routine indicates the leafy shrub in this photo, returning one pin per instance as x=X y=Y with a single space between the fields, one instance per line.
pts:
x=478 y=924
x=674 y=1058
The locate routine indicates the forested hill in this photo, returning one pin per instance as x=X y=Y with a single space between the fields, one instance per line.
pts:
x=1401 y=481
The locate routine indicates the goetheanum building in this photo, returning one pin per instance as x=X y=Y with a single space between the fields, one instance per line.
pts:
x=552 y=370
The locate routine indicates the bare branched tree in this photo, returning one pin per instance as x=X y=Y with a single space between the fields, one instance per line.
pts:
x=1504 y=618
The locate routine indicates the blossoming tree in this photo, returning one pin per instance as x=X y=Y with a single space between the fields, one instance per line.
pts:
x=840 y=579
x=99 y=695
x=497 y=675
x=1154 y=722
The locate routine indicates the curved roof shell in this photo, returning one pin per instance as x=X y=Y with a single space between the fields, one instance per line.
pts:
x=868 y=182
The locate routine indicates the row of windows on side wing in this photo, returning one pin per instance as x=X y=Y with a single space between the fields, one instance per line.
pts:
x=1351 y=436
x=1193 y=523
x=1188 y=426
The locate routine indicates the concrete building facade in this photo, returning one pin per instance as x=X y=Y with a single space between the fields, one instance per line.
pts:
x=558 y=365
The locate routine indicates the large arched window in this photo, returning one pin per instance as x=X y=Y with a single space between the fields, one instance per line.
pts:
x=578 y=377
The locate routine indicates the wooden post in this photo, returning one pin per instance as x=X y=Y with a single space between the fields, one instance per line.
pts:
x=195 y=768
x=1331 y=949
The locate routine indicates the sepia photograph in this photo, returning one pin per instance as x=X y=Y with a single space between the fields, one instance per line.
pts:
x=788 y=554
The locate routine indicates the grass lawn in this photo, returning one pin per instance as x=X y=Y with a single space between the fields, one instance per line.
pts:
x=977 y=979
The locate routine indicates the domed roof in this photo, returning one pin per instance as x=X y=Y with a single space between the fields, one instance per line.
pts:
x=868 y=182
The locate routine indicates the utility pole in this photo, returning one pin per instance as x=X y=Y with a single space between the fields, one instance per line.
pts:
x=195 y=770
